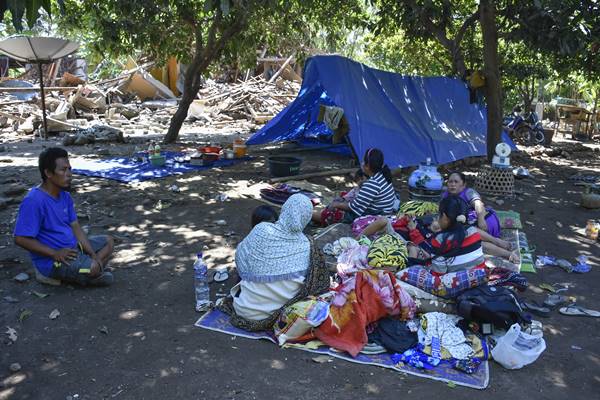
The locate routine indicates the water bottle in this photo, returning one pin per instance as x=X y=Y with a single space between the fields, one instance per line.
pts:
x=201 y=284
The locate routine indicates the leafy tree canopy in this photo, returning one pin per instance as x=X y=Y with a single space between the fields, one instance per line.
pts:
x=28 y=9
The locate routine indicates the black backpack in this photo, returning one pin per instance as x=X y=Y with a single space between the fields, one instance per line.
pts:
x=496 y=305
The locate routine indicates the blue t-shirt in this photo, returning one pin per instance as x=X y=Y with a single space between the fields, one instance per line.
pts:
x=48 y=220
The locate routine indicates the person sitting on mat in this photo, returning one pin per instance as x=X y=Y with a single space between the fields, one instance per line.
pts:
x=376 y=196
x=47 y=227
x=482 y=217
x=278 y=266
x=454 y=260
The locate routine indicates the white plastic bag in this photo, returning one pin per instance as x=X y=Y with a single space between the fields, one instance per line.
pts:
x=517 y=349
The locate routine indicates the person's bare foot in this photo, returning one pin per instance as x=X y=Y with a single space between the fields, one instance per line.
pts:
x=506 y=245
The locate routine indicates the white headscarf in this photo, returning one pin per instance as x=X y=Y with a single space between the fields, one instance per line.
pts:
x=277 y=251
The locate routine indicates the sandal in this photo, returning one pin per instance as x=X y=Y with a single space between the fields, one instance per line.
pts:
x=554 y=300
x=220 y=275
x=536 y=309
x=575 y=310
x=373 y=348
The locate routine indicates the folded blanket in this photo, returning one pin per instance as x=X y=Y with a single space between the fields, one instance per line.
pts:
x=360 y=300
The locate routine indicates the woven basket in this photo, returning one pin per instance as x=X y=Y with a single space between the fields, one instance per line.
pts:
x=495 y=181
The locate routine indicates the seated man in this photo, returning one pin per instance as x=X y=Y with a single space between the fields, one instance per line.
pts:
x=47 y=227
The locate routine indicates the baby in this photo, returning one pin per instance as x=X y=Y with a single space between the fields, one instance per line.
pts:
x=359 y=178
x=263 y=214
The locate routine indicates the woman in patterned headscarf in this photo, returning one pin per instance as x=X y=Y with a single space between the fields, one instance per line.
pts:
x=278 y=265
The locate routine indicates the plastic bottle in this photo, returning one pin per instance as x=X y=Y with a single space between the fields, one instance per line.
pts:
x=157 y=150
x=201 y=288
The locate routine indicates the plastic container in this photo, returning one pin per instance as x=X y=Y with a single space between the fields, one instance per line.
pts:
x=425 y=183
x=591 y=229
x=157 y=160
x=210 y=149
x=201 y=289
x=240 y=150
x=229 y=154
x=239 y=147
x=284 y=166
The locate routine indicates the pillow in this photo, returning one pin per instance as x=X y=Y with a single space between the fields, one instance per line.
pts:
x=388 y=252
x=447 y=285
x=299 y=318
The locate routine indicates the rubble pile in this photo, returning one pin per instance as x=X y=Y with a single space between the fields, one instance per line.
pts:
x=134 y=102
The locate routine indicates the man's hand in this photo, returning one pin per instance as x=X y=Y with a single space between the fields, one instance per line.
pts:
x=64 y=255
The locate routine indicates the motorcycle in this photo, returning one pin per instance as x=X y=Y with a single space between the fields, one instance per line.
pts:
x=526 y=131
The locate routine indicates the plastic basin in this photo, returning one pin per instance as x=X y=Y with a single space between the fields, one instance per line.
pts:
x=284 y=165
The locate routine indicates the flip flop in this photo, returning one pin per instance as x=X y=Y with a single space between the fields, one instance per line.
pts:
x=220 y=276
x=373 y=348
x=554 y=300
x=575 y=310
x=536 y=309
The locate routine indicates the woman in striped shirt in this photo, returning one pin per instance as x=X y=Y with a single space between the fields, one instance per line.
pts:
x=376 y=196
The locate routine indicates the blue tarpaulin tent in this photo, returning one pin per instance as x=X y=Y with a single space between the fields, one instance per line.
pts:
x=409 y=118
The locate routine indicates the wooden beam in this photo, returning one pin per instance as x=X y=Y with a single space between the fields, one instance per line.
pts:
x=36 y=88
x=13 y=117
x=281 y=69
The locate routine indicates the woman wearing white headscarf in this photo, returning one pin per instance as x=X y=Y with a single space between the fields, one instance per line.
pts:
x=278 y=266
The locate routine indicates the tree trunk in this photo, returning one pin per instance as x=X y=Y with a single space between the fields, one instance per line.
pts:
x=489 y=30
x=458 y=61
x=188 y=96
x=191 y=85
x=593 y=119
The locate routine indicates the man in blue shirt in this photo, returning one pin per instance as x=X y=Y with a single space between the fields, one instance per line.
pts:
x=47 y=227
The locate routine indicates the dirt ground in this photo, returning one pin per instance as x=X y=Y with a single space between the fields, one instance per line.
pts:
x=136 y=339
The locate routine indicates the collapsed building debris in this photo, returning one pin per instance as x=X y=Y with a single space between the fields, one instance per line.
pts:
x=136 y=103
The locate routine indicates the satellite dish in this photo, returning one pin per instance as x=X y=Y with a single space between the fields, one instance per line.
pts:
x=38 y=50
x=503 y=150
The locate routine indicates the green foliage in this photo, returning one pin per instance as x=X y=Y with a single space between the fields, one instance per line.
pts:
x=409 y=57
x=567 y=29
x=28 y=9
x=162 y=28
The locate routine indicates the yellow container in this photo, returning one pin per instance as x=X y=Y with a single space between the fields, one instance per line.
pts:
x=240 y=150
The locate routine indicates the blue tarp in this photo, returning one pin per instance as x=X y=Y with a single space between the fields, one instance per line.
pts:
x=409 y=118
x=125 y=169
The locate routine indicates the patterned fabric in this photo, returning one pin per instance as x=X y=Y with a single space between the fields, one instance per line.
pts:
x=297 y=319
x=361 y=223
x=416 y=358
x=419 y=208
x=361 y=300
x=439 y=329
x=388 y=252
x=376 y=196
x=509 y=219
x=352 y=260
x=316 y=283
x=330 y=216
x=505 y=277
x=447 y=285
x=278 y=251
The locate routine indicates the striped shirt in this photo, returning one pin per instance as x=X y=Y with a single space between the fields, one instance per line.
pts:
x=375 y=197
x=450 y=256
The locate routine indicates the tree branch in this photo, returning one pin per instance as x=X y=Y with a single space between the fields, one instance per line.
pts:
x=466 y=25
